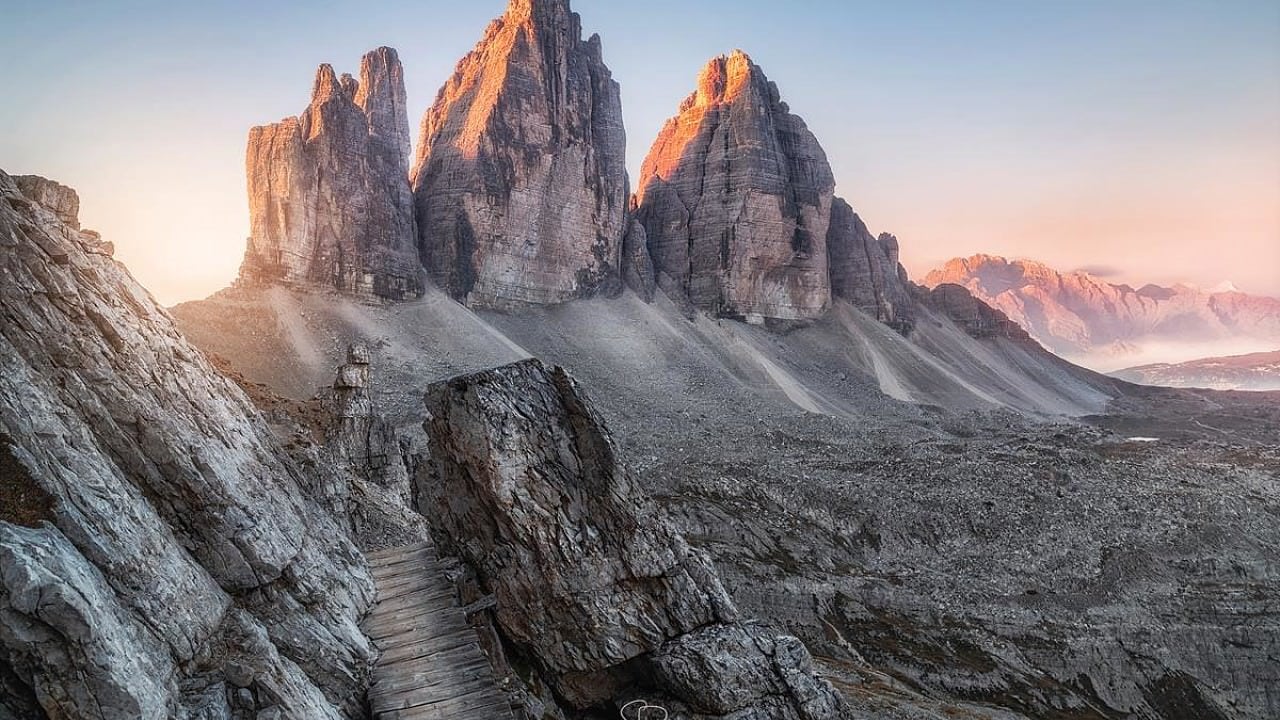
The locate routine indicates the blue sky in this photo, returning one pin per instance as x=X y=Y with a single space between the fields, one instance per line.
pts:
x=1142 y=137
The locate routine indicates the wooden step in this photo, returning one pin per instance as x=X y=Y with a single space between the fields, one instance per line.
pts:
x=431 y=666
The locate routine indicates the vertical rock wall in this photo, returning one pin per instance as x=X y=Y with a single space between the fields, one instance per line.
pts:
x=520 y=181
x=329 y=199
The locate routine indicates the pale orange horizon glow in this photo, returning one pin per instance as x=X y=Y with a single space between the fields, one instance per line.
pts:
x=1141 y=140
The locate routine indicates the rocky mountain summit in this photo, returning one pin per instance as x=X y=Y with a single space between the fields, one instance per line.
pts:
x=160 y=555
x=735 y=197
x=329 y=198
x=520 y=180
x=1078 y=315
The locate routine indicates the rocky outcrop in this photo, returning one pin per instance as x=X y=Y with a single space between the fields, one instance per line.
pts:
x=329 y=199
x=975 y=317
x=520 y=182
x=590 y=583
x=158 y=557
x=62 y=200
x=865 y=269
x=1079 y=315
x=735 y=196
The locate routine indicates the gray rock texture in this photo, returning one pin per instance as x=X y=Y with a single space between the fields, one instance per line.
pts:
x=520 y=180
x=329 y=198
x=637 y=266
x=735 y=196
x=590 y=582
x=158 y=555
x=62 y=200
x=865 y=269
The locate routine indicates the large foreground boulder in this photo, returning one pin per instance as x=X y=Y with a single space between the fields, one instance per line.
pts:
x=591 y=584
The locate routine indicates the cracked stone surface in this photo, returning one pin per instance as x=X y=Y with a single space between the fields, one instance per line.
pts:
x=158 y=555
x=591 y=584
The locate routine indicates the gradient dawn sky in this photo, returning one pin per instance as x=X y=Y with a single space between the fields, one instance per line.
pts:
x=1137 y=138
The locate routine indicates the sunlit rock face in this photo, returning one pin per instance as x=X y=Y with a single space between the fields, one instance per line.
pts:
x=735 y=196
x=865 y=269
x=520 y=181
x=329 y=198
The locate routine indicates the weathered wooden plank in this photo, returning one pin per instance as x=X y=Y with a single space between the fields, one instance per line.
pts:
x=431 y=665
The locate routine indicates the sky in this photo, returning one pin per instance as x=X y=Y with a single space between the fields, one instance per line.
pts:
x=1139 y=139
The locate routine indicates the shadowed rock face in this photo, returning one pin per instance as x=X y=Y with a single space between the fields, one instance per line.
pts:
x=735 y=196
x=162 y=559
x=329 y=199
x=975 y=317
x=520 y=182
x=590 y=582
x=865 y=269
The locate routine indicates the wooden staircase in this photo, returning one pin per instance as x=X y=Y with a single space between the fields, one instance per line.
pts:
x=431 y=666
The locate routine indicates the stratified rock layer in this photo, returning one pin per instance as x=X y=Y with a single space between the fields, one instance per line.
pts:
x=158 y=557
x=590 y=583
x=865 y=269
x=520 y=182
x=329 y=198
x=735 y=196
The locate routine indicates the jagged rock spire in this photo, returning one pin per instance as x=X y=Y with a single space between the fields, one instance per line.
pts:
x=735 y=197
x=329 y=199
x=520 y=180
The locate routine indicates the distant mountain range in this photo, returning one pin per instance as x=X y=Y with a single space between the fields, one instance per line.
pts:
x=1110 y=326
x=1255 y=371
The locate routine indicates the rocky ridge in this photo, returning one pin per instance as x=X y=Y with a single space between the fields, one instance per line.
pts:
x=589 y=582
x=865 y=269
x=1078 y=315
x=520 y=182
x=329 y=198
x=160 y=555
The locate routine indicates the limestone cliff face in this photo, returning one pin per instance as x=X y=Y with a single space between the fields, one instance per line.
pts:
x=329 y=198
x=735 y=196
x=591 y=584
x=520 y=181
x=158 y=555
x=865 y=269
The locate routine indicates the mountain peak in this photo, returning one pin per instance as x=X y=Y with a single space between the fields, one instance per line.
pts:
x=1078 y=315
x=329 y=200
x=735 y=196
x=520 y=180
